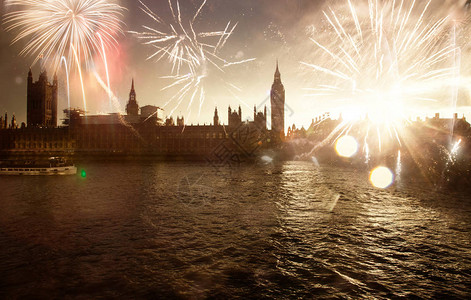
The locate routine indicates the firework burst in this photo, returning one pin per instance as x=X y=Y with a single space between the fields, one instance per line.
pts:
x=52 y=29
x=383 y=60
x=193 y=55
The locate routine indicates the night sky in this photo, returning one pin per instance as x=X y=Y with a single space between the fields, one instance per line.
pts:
x=267 y=30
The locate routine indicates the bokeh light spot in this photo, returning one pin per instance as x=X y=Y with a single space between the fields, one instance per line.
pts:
x=267 y=159
x=83 y=174
x=315 y=161
x=346 y=146
x=381 y=177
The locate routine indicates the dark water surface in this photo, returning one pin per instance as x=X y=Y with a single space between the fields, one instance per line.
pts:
x=144 y=230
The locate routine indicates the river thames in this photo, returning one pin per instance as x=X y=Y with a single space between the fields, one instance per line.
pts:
x=178 y=230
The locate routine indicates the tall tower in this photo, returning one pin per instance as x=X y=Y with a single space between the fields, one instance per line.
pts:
x=41 y=101
x=277 y=97
x=216 y=117
x=13 y=125
x=132 y=108
x=55 y=85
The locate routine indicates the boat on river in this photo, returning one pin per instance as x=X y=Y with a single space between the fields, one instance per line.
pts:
x=54 y=166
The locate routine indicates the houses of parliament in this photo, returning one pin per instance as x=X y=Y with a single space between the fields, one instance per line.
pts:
x=138 y=132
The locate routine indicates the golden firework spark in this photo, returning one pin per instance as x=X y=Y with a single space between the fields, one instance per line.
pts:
x=384 y=61
x=380 y=62
x=193 y=55
x=54 y=28
x=70 y=31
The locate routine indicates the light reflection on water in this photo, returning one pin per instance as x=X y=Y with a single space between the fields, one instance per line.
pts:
x=181 y=230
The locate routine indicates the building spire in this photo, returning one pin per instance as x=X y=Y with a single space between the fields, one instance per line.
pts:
x=277 y=72
x=30 y=78
x=132 y=108
x=132 y=92
x=216 y=117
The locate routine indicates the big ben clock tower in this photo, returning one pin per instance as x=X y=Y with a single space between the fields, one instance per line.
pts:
x=277 y=97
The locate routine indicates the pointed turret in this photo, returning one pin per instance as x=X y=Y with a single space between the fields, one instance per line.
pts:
x=216 y=117
x=181 y=121
x=43 y=74
x=132 y=108
x=277 y=72
x=43 y=77
x=234 y=117
x=13 y=125
x=30 y=77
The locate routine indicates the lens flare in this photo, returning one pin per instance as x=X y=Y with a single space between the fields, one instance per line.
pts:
x=381 y=177
x=346 y=146
x=267 y=159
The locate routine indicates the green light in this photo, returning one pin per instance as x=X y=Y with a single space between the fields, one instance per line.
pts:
x=83 y=174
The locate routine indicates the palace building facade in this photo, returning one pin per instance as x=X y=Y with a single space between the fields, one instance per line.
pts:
x=141 y=131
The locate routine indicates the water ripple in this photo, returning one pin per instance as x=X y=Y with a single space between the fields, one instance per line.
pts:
x=295 y=230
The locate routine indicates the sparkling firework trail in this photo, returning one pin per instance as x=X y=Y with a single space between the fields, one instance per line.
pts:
x=178 y=41
x=193 y=55
x=105 y=60
x=81 y=77
x=383 y=60
x=70 y=30
x=50 y=28
x=64 y=62
x=389 y=59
